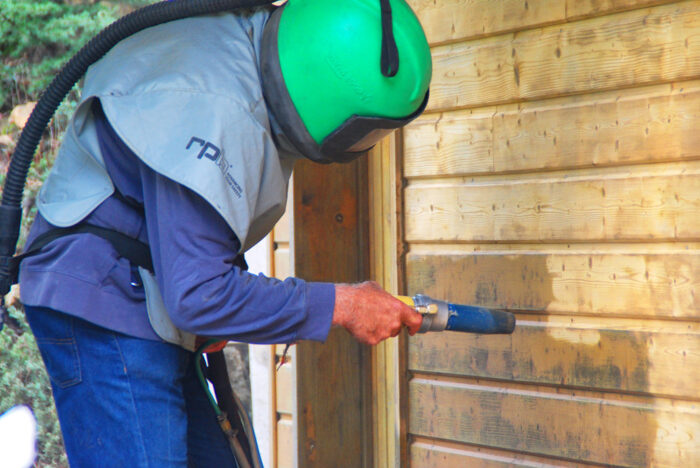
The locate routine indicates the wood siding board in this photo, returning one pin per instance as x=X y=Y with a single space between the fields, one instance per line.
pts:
x=640 y=125
x=572 y=352
x=612 y=207
x=460 y=20
x=285 y=443
x=282 y=261
x=635 y=48
x=433 y=453
x=601 y=428
x=622 y=284
x=285 y=390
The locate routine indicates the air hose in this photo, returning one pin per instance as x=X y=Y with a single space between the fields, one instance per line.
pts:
x=96 y=48
x=238 y=432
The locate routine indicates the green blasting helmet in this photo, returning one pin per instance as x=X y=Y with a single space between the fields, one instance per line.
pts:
x=340 y=75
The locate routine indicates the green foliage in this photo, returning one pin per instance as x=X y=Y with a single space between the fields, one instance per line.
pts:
x=23 y=380
x=38 y=37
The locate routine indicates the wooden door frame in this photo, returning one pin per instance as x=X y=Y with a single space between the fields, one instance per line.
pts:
x=333 y=380
x=387 y=252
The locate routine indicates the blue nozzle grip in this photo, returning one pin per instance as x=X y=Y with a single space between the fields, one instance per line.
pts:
x=475 y=319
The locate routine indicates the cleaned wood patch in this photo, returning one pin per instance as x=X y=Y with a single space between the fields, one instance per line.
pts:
x=660 y=203
x=586 y=426
x=635 y=48
x=657 y=123
x=455 y=20
x=625 y=355
x=623 y=284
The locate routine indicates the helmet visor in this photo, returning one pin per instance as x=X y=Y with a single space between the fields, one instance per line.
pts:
x=358 y=133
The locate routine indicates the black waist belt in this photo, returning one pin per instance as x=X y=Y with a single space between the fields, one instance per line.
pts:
x=137 y=252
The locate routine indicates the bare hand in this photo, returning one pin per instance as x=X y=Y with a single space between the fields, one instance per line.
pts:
x=371 y=314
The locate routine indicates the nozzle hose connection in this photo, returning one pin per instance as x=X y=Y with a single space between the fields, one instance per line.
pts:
x=441 y=315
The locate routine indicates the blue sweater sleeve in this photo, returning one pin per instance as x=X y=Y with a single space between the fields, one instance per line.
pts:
x=193 y=252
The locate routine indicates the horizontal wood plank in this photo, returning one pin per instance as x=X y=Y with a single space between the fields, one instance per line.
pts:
x=635 y=48
x=641 y=204
x=624 y=284
x=429 y=453
x=282 y=262
x=657 y=123
x=284 y=392
x=455 y=20
x=285 y=443
x=587 y=426
x=282 y=229
x=622 y=355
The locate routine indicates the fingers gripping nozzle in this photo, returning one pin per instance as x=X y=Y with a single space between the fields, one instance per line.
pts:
x=440 y=315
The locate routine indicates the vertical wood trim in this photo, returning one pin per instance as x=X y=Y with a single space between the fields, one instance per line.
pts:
x=333 y=379
x=383 y=254
x=387 y=267
x=401 y=364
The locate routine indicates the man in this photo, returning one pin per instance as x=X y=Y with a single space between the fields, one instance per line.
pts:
x=184 y=142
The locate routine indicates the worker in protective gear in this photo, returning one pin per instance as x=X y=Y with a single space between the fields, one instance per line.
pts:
x=184 y=141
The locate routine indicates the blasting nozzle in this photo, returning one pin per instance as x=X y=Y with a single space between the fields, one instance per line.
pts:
x=440 y=315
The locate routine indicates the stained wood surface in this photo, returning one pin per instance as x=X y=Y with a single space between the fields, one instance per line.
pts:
x=639 y=125
x=634 y=48
x=333 y=378
x=434 y=453
x=556 y=173
x=588 y=426
x=615 y=205
x=642 y=284
x=622 y=355
x=454 y=20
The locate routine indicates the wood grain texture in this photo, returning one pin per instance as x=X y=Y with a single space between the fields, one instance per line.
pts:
x=389 y=427
x=333 y=379
x=640 y=204
x=588 y=426
x=635 y=48
x=623 y=355
x=622 y=284
x=456 y=20
x=430 y=453
x=657 y=123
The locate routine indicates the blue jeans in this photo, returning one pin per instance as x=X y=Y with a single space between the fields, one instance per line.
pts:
x=124 y=401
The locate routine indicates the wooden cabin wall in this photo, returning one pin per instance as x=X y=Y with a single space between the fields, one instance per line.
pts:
x=556 y=173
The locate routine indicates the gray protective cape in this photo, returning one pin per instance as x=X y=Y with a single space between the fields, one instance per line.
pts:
x=186 y=98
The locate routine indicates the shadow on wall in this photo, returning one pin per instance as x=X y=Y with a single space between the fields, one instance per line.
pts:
x=560 y=385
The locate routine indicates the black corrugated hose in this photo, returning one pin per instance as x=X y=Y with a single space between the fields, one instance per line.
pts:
x=96 y=48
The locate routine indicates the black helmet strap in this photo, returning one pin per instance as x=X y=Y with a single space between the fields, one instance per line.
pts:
x=390 y=53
